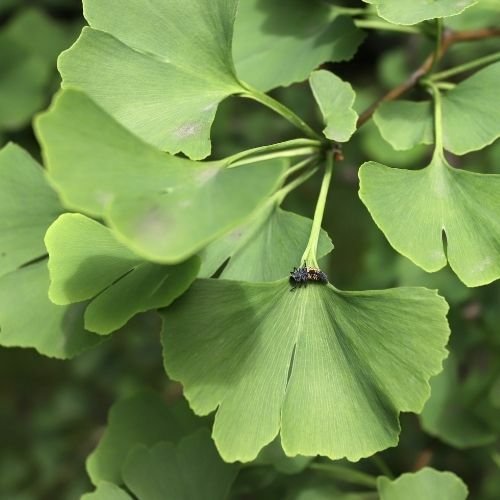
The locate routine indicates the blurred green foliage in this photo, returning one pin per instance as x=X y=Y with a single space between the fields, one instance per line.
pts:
x=52 y=413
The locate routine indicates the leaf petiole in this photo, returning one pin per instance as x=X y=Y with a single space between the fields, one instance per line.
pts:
x=438 y=155
x=311 y=250
x=280 y=195
x=375 y=24
x=281 y=110
x=438 y=47
x=481 y=61
x=299 y=166
x=346 y=474
x=286 y=149
x=445 y=85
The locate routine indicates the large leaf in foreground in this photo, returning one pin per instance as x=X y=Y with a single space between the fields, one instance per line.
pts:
x=160 y=68
x=192 y=470
x=269 y=359
x=86 y=262
x=423 y=485
x=416 y=11
x=278 y=43
x=163 y=207
x=470 y=122
x=29 y=319
x=28 y=205
x=142 y=419
x=266 y=248
x=415 y=208
x=335 y=99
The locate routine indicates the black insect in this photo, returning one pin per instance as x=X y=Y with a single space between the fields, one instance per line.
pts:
x=317 y=275
x=299 y=277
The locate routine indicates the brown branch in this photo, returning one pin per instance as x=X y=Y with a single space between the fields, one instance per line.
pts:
x=449 y=39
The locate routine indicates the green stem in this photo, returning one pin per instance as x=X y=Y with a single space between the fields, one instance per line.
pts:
x=439 y=41
x=438 y=155
x=445 y=85
x=299 y=166
x=383 y=25
x=466 y=66
x=280 y=195
x=281 y=110
x=295 y=147
x=382 y=466
x=279 y=154
x=346 y=474
x=348 y=11
x=311 y=250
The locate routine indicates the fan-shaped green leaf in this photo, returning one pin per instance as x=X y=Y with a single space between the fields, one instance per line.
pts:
x=278 y=43
x=265 y=248
x=269 y=359
x=160 y=68
x=416 y=11
x=86 y=262
x=470 y=121
x=404 y=124
x=415 y=208
x=29 y=319
x=192 y=470
x=107 y=491
x=140 y=419
x=28 y=206
x=447 y=415
x=423 y=485
x=335 y=99
x=163 y=207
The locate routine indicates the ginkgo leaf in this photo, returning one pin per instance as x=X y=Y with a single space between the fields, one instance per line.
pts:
x=163 y=207
x=335 y=99
x=422 y=485
x=107 y=491
x=142 y=419
x=416 y=11
x=470 y=122
x=414 y=209
x=29 y=319
x=160 y=68
x=265 y=248
x=86 y=262
x=404 y=124
x=28 y=205
x=268 y=360
x=192 y=470
x=277 y=43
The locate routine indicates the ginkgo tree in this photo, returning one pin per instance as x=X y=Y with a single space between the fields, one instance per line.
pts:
x=129 y=216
